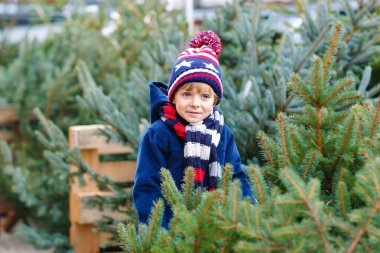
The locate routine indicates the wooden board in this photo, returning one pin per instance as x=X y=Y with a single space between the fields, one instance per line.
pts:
x=83 y=214
x=87 y=137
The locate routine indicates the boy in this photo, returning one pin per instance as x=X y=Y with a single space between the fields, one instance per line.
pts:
x=187 y=129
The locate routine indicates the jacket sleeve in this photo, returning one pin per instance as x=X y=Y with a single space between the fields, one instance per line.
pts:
x=233 y=157
x=150 y=160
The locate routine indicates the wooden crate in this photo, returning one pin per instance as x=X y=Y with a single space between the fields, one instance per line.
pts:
x=8 y=131
x=8 y=216
x=9 y=120
x=83 y=237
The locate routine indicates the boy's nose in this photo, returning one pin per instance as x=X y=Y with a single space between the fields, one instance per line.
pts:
x=195 y=101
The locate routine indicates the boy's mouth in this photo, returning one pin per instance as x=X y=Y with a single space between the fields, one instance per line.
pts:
x=195 y=113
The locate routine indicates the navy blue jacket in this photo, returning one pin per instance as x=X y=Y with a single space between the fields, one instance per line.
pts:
x=162 y=148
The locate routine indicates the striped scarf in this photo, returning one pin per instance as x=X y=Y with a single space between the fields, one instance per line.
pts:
x=201 y=142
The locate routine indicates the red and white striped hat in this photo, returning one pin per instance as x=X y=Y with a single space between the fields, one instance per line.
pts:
x=199 y=63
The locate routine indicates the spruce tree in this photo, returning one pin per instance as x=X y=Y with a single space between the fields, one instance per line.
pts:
x=116 y=64
x=257 y=59
x=318 y=191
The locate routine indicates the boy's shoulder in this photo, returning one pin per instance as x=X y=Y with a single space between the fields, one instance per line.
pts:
x=158 y=127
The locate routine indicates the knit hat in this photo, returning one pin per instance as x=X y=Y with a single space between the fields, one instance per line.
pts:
x=199 y=63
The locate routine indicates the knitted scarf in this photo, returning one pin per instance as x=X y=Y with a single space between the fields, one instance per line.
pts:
x=201 y=141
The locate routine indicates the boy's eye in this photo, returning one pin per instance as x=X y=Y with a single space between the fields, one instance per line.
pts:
x=186 y=94
x=206 y=96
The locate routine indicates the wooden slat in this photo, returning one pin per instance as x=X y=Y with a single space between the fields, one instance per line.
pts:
x=8 y=114
x=83 y=217
x=119 y=172
x=87 y=137
x=89 y=215
x=86 y=239
x=6 y=136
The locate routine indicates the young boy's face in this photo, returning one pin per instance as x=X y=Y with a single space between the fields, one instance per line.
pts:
x=194 y=101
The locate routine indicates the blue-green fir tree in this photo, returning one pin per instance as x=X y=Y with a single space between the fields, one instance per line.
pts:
x=317 y=192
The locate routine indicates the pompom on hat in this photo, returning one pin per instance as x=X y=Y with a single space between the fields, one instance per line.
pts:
x=199 y=63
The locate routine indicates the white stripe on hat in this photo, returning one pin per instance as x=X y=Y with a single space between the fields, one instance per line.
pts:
x=210 y=56
x=195 y=52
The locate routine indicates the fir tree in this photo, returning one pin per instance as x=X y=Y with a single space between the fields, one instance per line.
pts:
x=258 y=60
x=317 y=192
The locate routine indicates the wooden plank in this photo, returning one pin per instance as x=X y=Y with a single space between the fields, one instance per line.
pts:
x=6 y=136
x=89 y=215
x=87 y=137
x=119 y=172
x=8 y=114
x=10 y=217
x=86 y=239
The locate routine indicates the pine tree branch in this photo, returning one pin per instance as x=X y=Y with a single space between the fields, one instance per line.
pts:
x=173 y=227
x=342 y=199
x=348 y=82
x=258 y=185
x=201 y=219
x=221 y=215
x=343 y=145
x=350 y=98
x=155 y=217
x=315 y=81
x=131 y=235
x=234 y=202
x=314 y=216
x=368 y=158
x=305 y=95
x=295 y=142
x=360 y=128
x=267 y=151
x=188 y=187
x=349 y=35
x=226 y=177
x=310 y=162
x=251 y=248
x=348 y=133
x=369 y=45
x=364 y=229
x=341 y=171
x=373 y=127
x=283 y=138
x=54 y=91
x=334 y=121
x=331 y=50
x=313 y=47
x=283 y=161
x=319 y=129
x=246 y=215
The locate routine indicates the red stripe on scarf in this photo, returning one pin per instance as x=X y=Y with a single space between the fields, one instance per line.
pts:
x=180 y=130
x=169 y=112
x=199 y=175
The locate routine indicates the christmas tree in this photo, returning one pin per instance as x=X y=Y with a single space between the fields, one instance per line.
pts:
x=258 y=58
x=318 y=190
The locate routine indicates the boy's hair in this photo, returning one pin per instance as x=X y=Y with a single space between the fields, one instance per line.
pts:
x=199 y=63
